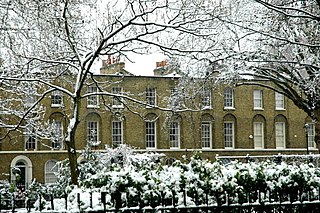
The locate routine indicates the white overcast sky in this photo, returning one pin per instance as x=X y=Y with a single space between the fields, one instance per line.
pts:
x=143 y=64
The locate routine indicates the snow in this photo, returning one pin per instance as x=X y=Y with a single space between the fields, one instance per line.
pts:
x=133 y=181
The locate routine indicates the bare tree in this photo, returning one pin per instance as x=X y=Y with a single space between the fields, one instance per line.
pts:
x=278 y=41
x=44 y=43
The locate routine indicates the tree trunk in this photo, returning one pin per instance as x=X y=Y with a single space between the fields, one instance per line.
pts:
x=72 y=150
x=316 y=117
x=72 y=155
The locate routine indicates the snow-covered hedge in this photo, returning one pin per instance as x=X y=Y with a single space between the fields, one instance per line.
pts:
x=131 y=180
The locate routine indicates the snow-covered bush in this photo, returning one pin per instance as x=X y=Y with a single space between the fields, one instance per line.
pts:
x=129 y=179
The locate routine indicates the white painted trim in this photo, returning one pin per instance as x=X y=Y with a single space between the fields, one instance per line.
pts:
x=28 y=163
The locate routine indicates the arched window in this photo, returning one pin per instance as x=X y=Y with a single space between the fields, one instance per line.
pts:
x=280 y=131
x=93 y=129
x=174 y=132
x=151 y=133
x=229 y=131
x=206 y=131
x=258 y=131
x=50 y=170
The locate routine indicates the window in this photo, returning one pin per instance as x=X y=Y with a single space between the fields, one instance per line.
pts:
x=206 y=135
x=228 y=98
x=228 y=134
x=57 y=135
x=151 y=96
x=92 y=100
x=117 y=137
x=92 y=133
x=50 y=170
x=150 y=134
x=30 y=138
x=258 y=135
x=56 y=99
x=279 y=101
x=257 y=99
x=280 y=134
x=311 y=135
x=174 y=98
x=30 y=98
x=174 y=135
x=206 y=98
x=117 y=101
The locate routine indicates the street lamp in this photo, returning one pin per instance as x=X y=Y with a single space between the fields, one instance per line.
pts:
x=307 y=128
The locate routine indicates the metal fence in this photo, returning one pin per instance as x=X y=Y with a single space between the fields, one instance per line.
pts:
x=223 y=202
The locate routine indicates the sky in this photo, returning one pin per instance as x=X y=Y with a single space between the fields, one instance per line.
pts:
x=144 y=64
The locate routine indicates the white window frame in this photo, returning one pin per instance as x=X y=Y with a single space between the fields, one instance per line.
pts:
x=151 y=96
x=117 y=102
x=206 y=135
x=228 y=130
x=151 y=135
x=279 y=101
x=280 y=133
x=228 y=101
x=30 y=138
x=92 y=100
x=206 y=98
x=258 y=135
x=93 y=133
x=174 y=135
x=117 y=132
x=257 y=99
x=57 y=137
x=311 y=135
x=50 y=169
x=56 y=98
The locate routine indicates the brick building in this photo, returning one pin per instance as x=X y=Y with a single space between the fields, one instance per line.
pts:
x=233 y=121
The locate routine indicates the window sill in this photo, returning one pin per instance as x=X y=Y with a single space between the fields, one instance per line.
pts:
x=258 y=109
x=229 y=148
x=174 y=147
x=280 y=109
x=229 y=108
x=151 y=148
x=117 y=106
x=206 y=108
x=57 y=105
x=93 y=107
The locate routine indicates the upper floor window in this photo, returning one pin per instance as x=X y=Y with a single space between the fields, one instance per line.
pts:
x=174 y=134
x=280 y=128
x=311 y=135
x=50 y=170
x=228 y=134
x=117 y=101
x=30 y=138
x=150 y=134
x=257 y=99
x=206 y=134
x=92 y=133
x=92 y=100
x=279 y=99
x=30 y=98
x=175 y=98
x=228 y=98
x=57 y=135
x=151 y=96
x=258 y=135
x=206 y=98
x=56 y=99
x=117 y=133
